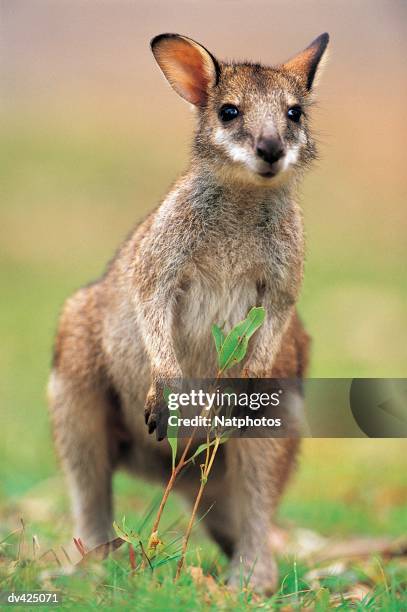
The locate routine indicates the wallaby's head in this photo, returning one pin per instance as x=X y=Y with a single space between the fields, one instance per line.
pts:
x=253 y=120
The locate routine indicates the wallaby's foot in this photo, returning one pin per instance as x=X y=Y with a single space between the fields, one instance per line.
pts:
x=258 y=572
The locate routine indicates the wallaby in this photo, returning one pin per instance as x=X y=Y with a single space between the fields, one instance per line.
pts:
x=228 y=236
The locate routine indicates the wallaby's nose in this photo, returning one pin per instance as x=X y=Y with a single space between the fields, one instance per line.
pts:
x=270 y=149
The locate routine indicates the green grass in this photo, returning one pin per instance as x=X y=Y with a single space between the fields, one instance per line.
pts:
x=67 y=200
x=112 y=583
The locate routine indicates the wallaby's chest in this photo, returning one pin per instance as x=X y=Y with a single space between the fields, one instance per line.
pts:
x=203 y=303
x=206 y=302
x=228 y=268
x=223 y=279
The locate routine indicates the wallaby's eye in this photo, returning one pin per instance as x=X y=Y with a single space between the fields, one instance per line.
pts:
x=228 y=112
x=294 y=113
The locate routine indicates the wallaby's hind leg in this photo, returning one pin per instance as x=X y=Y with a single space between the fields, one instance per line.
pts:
x=216 y=508
x=80 y=429
x=258 y=472
x=240 y=501
x=219 y=525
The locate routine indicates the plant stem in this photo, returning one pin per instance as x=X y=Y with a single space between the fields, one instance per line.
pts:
x=171 y=482
x=205 y=474
x=175 y=473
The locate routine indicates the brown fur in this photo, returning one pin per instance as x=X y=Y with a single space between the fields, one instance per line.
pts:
x=228 y=236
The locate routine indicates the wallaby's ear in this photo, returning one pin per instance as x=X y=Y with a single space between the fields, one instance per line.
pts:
x=305 y=64
x=189 y=68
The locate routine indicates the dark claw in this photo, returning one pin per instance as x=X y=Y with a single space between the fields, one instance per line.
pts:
x=162 y=424
x=156 y=417
x=152 y=423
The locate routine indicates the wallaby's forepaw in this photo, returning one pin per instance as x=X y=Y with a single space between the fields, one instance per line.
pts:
x=156 y=412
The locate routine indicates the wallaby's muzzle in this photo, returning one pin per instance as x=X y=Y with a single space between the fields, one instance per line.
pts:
x=270 y=149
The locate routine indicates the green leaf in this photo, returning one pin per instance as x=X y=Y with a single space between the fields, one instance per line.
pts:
x=218 y=336
x=203 y=447
x=173 y=440
x=172 y=434
x=235 y=345
x=163 y=561
x=200 y=450
x=130 y=538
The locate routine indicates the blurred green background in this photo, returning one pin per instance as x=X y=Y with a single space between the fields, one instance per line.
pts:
x=91 y=138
